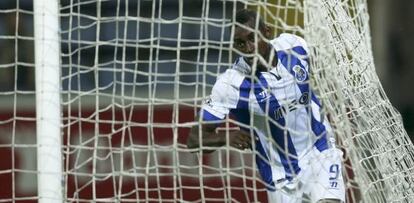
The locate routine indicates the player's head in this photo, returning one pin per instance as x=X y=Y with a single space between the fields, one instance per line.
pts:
x=245 y=39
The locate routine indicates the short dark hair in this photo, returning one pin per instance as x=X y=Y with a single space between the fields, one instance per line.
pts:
x=243 y=16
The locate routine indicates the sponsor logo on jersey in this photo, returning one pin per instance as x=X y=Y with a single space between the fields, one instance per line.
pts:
x=262 y=96
x=293 y=105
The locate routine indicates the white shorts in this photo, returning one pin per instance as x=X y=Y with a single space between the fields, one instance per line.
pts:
x=320 y=178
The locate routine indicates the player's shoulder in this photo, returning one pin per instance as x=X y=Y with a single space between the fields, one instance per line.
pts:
x=287 y=41
x=230 y=78
x=235 y=74
x=227 y=85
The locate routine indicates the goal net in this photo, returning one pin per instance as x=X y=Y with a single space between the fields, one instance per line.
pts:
x=133 y=76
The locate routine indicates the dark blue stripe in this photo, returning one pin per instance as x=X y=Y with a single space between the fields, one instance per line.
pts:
x=322 y=142
x=262 y=161
x=242 y=115
x=300 y=50
x=289 y=61
x=244 y=90
x=316 y=100
x=207 y=116
x=319 y=129
x=287 y=153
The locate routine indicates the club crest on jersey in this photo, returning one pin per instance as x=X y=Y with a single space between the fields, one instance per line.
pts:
x=300 y=73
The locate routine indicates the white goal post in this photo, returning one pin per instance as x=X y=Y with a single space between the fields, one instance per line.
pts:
x=119 y=83
x=48 y=105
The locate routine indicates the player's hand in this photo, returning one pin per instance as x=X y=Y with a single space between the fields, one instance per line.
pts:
x=240 y=139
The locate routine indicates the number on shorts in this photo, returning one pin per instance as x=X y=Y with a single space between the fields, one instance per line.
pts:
x=334 y=170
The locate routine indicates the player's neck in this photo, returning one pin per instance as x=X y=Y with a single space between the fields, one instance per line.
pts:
x=271 y=58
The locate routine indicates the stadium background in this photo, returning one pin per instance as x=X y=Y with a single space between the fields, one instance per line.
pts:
x=392 y=30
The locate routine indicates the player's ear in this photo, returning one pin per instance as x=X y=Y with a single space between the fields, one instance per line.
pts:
x=267 y=32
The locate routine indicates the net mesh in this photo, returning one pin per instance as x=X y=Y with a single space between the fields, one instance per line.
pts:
x=17 y=117
x=133 y=75
x=369 y=128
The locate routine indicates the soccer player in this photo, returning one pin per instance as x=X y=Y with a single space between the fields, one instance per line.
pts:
x=295 y=152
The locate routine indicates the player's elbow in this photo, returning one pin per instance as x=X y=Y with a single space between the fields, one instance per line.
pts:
x=196 y=141
x=192 y=140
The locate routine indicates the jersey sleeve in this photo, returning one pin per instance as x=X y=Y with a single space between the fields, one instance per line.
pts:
x=300 y=50
x=223 y=98
x=293 y=53
x=300 y=42
x=289 y=41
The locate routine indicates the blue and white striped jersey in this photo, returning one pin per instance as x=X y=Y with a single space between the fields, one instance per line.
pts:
x=286 y=114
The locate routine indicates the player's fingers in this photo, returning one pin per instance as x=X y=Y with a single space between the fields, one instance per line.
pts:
x=235 y=142
x=245 y=139
x=239 y=144
x=245 y=144
x=240 y=140
x=248 y=145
